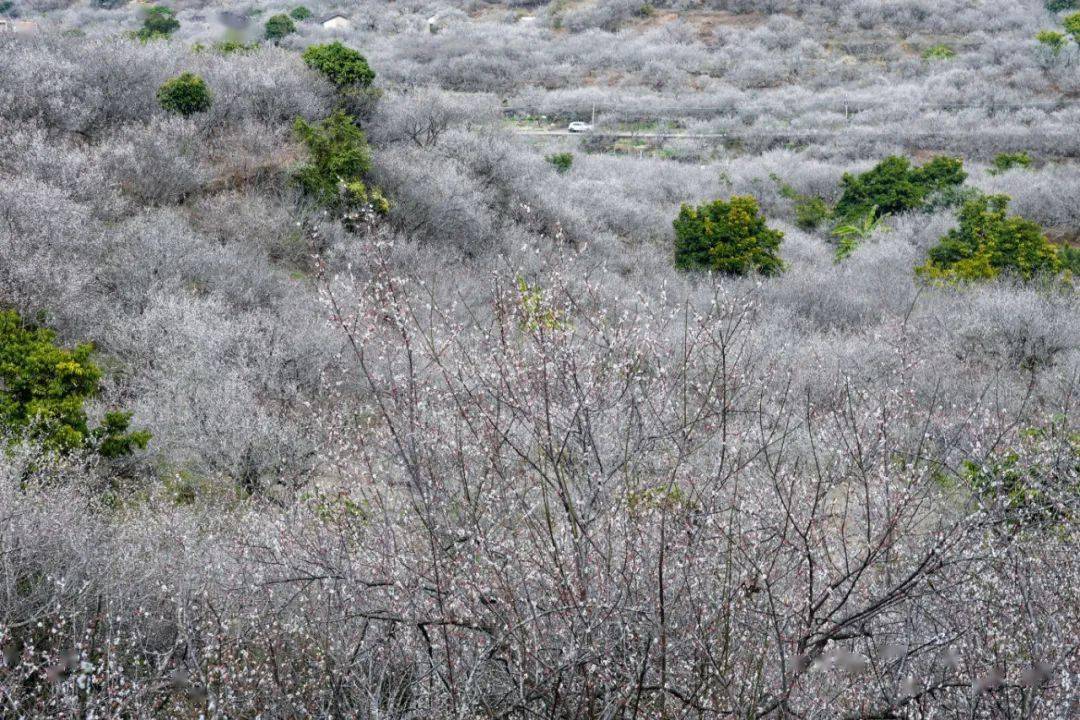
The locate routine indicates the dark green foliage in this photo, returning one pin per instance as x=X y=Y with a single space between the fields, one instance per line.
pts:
x=989 y=243
x=561 y=161
x=6 y=7
x=342 y=65
x=940 y=173
x=340 y=158
x=339 y=155
x=300 y=13
x=112 y=438
x=727 y=237
x=185 y=94
x=278 y=26
x=158 y=22
x=1070 y=259
x=1059 y=5
x=43 y=388
x=1008 y=161
x=889 y=185
x=894 y=186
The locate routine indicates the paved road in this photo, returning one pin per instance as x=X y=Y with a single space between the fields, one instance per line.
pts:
x=619 y=134
x=789 y=134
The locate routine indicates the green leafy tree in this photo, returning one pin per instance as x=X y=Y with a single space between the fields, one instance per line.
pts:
x=278 y=26
x=989 y=243
x=727 y=237
x=894 y=186
x=562 y=162
x=1052 y=39
x=1072 y=25
x=43 y=388
x=339 y=160
x=342 y=65
x=185 y=94
x=300 y=13
x=158 y=22
x=890 y=185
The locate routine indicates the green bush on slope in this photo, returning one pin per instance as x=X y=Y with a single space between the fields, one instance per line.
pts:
x=43 y=388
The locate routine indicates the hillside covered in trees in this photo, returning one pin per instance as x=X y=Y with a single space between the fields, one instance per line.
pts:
x=582 y=359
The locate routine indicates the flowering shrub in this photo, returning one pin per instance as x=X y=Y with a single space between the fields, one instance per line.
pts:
x=570 y=518
x=529 y=470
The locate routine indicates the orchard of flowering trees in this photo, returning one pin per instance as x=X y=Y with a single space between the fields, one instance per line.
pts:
x=338 y=379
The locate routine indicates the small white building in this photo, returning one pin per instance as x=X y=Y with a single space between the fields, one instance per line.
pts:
x=337 y=21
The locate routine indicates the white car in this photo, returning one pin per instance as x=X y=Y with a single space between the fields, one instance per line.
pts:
x=579 y=127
